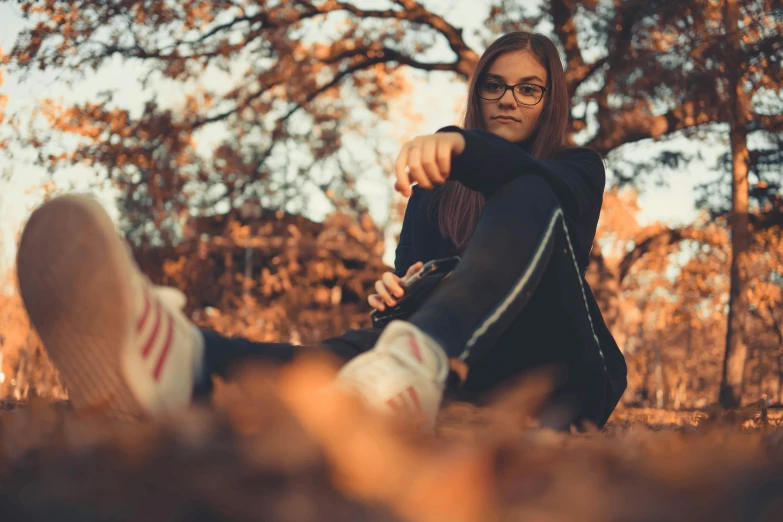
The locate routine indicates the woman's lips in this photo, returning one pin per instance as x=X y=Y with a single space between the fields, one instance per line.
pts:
x=505 y=119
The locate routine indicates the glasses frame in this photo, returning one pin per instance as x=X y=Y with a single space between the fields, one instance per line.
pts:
x=506 y=87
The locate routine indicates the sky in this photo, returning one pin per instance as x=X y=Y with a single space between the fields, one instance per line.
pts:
x=437 y=99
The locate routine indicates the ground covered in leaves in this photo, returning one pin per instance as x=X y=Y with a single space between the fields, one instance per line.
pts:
x=276 y=446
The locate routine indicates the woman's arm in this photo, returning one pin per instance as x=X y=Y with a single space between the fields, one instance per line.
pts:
x=404 y=255
x=576 y=176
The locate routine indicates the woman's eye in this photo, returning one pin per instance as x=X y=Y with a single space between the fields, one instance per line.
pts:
x=526 y=89
x=492 y=86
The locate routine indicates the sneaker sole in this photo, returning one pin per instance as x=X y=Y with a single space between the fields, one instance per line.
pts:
x=73 y=278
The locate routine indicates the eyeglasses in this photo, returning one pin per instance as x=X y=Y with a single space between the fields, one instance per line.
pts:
x=524 y=93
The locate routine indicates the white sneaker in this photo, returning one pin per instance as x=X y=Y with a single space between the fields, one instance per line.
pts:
x=122 y=346
x=404 y=373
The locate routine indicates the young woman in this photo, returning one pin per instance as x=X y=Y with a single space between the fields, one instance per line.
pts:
x=504 y=192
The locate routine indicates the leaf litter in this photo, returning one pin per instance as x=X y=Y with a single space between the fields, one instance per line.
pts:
x=280 y=444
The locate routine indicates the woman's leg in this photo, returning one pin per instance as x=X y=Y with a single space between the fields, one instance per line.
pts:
x=121 y=344
x=521 y=245
x=521 y=236
x=222 y=354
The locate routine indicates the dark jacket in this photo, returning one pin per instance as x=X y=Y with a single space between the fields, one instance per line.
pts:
x=577 y=178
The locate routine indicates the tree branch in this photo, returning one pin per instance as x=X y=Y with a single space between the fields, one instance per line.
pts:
x=565 y=29
x=415 y=13
x=386 y=54
x=245 y=103
x=310 y=97
x=767 y=122
x=648 y=240
x=620 y=126
x=380 y=56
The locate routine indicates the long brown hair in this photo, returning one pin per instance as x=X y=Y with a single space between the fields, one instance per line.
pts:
x=459 y=208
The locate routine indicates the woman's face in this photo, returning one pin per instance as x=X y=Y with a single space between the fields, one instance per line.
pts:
x=521 y=120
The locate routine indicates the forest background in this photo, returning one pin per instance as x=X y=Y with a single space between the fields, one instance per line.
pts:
x=246 y=151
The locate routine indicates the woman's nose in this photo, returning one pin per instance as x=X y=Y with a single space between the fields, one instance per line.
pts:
x=507 y=100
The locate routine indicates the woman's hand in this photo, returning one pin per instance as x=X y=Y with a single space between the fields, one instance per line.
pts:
x=390 y=286
x=427 y=160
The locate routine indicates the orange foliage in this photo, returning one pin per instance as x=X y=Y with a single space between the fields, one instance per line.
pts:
x=664 y=294
x=24 y=366
x=282 y=446
x=271 y=276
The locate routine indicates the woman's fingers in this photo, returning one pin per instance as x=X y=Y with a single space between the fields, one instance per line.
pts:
x=403 y=183
x=376 y=302
x=429 y=161
x=393 y=284
x=415 y=267
x=443 y=158
x=415 y=167
x=384 y=293
x=425 y=160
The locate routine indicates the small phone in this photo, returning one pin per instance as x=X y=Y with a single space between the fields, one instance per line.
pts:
x=417 y=288
x=436 y=266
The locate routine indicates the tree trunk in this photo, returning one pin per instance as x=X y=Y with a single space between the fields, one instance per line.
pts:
x=736 y=350
x=247 y=279
x=779 y=356
x=778 y=390
x=659 y=385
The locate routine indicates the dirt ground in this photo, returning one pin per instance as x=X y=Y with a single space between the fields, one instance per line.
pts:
x=267 y=451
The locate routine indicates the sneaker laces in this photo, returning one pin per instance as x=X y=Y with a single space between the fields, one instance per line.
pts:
x=173 y=297
x=364 y=382
x=372 y=372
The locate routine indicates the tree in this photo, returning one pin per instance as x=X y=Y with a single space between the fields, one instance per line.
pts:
x=689 y=65
x=662 y=293
x=285 y=117
x=741 y=57
x=296 y=90
x=736 y=346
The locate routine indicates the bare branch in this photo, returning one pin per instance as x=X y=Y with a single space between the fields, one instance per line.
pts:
x=565 y=29
x=385 y=54
x=649 y=240
x=416 y=13
x=620 y=126
x=767 y=122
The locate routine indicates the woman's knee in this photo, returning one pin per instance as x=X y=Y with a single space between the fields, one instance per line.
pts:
x=525 y=190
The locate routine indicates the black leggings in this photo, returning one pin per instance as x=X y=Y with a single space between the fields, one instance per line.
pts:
x=517 y=301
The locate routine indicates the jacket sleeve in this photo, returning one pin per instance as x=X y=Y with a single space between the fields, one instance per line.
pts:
x=576 y=175
x=404 y=254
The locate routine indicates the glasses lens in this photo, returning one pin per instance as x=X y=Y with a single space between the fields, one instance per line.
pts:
x=491 y=90
x=528 y=94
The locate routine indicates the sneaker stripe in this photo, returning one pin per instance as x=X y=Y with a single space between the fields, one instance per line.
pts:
x=153 y=336
x=166 y=347
x=415 y=349
x=145 y=314
x=407 y=400
x=402 y=401
x=414 y=398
